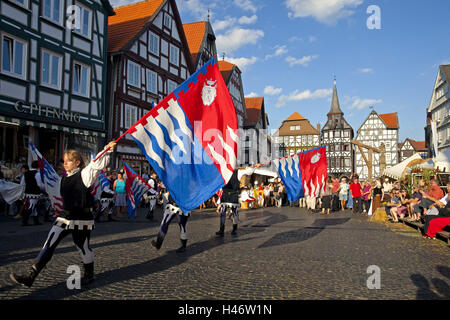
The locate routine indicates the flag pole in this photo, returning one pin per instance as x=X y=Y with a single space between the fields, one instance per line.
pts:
x=117 y=140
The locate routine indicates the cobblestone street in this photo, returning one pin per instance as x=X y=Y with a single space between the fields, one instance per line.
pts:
x=279 y=253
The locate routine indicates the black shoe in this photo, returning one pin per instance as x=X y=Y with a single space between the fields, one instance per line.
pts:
x=88 y=274
x=149 y=216
x=111 y=218
x=25 y=280
x=36 y=221
x=183 y=247
x=157 y=244
x=220 y=233
x=234 y=232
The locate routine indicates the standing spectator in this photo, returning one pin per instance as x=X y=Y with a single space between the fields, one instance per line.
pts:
x=335 y=194
x=326 y=197
x=366 y=196
x=377 y=194
x=121 y=195
x=266 y=196
x=34 y=188
x=343 y=193
x=280 y=195
x=387 y=188
x=355 y=193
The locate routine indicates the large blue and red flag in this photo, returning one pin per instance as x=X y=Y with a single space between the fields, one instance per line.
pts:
x=135 y=188
x=304 y=174
x=190 y=138
x=100 y=185
x=50 y=178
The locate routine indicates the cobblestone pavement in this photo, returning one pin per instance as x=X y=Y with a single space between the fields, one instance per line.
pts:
x=279 y=253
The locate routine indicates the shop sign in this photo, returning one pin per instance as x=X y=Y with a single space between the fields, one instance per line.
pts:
x=46 y=111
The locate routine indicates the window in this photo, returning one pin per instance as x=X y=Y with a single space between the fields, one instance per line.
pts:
x=130 y=115
x=345 y=134
x=52 y=10
x=134 y=74
x=167 y=20
x=171 y=86
x=293 y=128
x=84 y=25
x=14 y=56
x=51 y=69
x=152 y=84
x=325 y=135
x=174 y=55
x=81 y=79
x=337 y=134
x=338 y=147
x=23 y=3
x=153 y=43
x=347 y=162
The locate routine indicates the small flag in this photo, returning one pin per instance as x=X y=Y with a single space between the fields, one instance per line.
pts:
x=135 y=187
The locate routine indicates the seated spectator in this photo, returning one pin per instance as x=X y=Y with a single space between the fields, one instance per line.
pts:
x=393 y=205
x=434 y=194
x=415 y=199
x=442 y=211
x=402 y=211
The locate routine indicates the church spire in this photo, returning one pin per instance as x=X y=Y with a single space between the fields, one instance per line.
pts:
x=335 y=108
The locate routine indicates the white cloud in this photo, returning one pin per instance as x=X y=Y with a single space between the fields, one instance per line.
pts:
x=365 y=70
x=312 y=39
x=243 y=63
x=304 y=95
x=295 y=38
x=235 y=38
x=251 y=95
x=248 y=20
x=197 y=8
x=303 y=61
x=279 y=51
x=246 y=5
x=359 y=104
x=223 y=24
x=325 y=11
x=272 y=91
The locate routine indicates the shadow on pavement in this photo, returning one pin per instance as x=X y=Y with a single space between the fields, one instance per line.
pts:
x=167 y=261
x=303 y=234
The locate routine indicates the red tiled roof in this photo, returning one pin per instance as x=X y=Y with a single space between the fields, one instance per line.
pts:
x=418 y=145
x=195 y=33
x=391 y=120
x=225 y=68
x=253 y=106
x=129 y=21
x=295 y=116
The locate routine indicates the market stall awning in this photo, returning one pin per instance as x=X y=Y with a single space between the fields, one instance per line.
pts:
x=397 y=171
x=22 y=122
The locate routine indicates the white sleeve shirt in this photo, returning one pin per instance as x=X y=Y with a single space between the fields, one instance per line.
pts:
x=91 y=172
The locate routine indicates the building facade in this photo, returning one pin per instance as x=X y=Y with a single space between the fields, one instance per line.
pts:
x=376 y=130
x=336 y=135
x=149 y=58
x=255 y=145
x=232 y=76
x=410 y=147
x=295 y=135
x=52 y=77
x=438 y=112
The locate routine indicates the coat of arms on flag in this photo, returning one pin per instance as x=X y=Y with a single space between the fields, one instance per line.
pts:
x=135 y=188
x=304 y=174
x=190 y=138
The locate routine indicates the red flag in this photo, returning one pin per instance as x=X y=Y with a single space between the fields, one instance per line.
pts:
x=313 y=166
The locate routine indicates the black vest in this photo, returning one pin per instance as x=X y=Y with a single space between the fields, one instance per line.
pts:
x=31 y=186
x=78 y=200
x=231 y=190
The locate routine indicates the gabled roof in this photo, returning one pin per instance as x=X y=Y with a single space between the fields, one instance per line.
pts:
x=195 y=35
x=295 y=116
x=254 y=106
x=129 y=21
x=418 y=145
x=391 y=120
x=446 y=70
x=226 y=69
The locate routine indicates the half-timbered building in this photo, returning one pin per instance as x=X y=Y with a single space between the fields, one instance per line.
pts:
x=438 y=111
x=232 y=76
x=52 y=76
x=149 y=58
x=295 y=135
x=336 y=136
x=410 y=147
x=255 y=145
x=376 y=130
x=202 y=42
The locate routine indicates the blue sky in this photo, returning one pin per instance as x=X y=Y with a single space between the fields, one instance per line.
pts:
x=290 y=51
